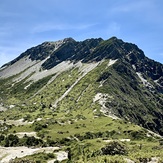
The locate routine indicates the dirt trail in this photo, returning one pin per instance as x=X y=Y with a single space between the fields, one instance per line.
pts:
x=61 y=155
x=16 y=122
x=9 y=153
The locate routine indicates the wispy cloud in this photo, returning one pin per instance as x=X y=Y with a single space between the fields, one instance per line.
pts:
x=50 y=27
x=146 y=10
x=5 y=14
x=132 y=6
x=161 y=54
x=5 y=30
x=4 y=58
x=9 y=53
x=113 y=29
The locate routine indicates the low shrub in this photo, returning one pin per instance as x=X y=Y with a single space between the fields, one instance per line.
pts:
x=114 y=148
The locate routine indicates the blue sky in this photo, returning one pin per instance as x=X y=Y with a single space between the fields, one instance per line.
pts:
x=27 y=23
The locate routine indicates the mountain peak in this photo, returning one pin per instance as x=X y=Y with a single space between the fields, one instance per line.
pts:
x=113 y=38
x=69 y=39
x=87 y=51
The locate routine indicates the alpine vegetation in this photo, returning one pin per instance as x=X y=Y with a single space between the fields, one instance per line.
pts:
x=81 y=101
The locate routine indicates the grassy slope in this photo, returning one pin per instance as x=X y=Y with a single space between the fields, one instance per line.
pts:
x=75 y=116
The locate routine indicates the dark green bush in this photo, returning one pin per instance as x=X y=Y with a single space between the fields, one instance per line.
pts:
x=114 y=148
x=2 y=137
x=138 y=135
x=11 y=140
x=103 y=76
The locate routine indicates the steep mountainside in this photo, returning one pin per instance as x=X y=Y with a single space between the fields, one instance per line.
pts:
x=78 y=87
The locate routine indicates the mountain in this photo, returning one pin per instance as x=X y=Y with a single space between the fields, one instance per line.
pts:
x=79 y=84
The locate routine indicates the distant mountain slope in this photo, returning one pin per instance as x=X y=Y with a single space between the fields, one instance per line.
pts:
x=67 y=75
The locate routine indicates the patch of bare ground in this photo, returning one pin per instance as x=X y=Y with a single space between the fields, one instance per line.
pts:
x=9 y=153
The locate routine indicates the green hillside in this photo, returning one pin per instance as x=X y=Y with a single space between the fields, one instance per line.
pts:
x=100 y=111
